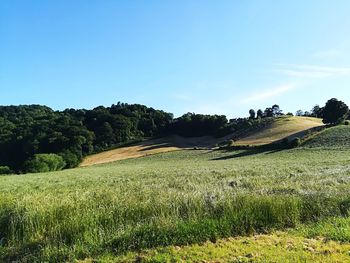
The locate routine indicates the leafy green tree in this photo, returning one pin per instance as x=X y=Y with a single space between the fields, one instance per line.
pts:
x=276 y=111
x=259 y=114
x=335 y=112
x=268 y=112
x=317 y=111
x=252 y=114
x=44 y=163
x=299 y=113
x=5 y=170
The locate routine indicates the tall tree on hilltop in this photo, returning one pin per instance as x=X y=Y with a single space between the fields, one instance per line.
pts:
x=335 y=112
x=252 y=114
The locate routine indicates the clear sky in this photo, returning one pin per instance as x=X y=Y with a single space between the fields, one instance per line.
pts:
x=198 y=56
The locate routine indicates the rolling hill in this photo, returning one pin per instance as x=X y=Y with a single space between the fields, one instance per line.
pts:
x=280 y=128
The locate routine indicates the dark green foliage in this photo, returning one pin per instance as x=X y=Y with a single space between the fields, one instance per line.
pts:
x=194 y=125
x=231 y=143
x=252 y=114
x=259 y=114
x=317 y=112
x=32 y=129
x=241 y=126
x=335 y=112
x=295 y=142
x=346 y=122
x=5 y=170
x=276 y=111
x=44 y=163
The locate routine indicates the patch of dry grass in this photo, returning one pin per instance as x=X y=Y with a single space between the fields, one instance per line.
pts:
x=150 y=147
x=281 y=128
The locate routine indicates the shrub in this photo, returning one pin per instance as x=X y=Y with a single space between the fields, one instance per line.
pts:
x=295 y=142
x=231 y=143
x=44 y=163
x=285 y=142
x=346 y=122
x=5 y=170
x=71 y=159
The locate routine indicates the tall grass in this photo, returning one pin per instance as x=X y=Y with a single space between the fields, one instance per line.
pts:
x=175 y=198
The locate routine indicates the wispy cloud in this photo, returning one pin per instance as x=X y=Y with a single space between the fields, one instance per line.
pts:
x=269 y=93
x=296 y=70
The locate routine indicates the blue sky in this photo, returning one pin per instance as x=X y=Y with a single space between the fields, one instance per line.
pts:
x=199 y=56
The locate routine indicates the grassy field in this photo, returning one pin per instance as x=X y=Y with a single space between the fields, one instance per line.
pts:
x=176 y=199
x=281 y=128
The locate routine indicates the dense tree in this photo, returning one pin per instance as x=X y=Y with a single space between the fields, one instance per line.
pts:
x=273 y=111
x=193 y=125
x=5 y=170
x=44 y=163
x=317 y=111
x=28 y=130
x=299 y=113
x=276 y=111
x=259 y=114
x=251 y=114
x=268 y=112
x=335 y=112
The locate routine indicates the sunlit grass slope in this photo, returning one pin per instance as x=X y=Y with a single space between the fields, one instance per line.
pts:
x=282 y=247
x=324 y=241
x=175 y=198
x=281 y=128
x=337 y=137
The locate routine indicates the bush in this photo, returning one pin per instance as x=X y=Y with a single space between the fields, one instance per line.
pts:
x=71 y=160
x=231 y=143
x=295 y=142
x=346 y=122
x=5 y=170
x=44 y=163
x=285 y=142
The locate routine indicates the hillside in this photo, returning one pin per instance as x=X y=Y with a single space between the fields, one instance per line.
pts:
x=167 y=144
x=281 y=128
x=334 y=137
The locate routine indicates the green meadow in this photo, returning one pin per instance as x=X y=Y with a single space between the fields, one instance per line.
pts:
x=180 y=198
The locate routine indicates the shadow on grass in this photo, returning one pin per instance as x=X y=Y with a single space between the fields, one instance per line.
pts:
x=281 y=145
x=249 y=152
x=157 y=146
